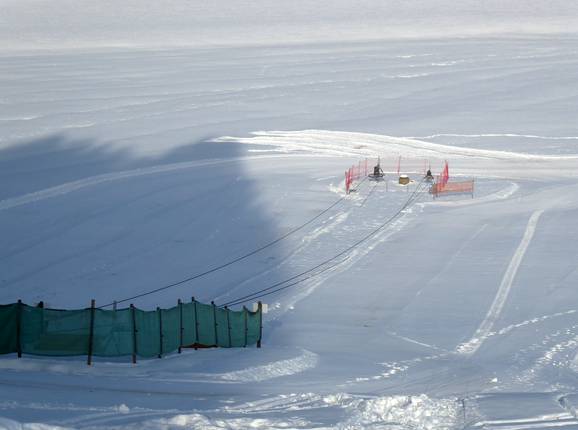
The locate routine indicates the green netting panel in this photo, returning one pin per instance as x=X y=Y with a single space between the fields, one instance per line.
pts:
x=254 y=327
x=237 y=321
x=61 y=333
x=171 y=329
x=8 y=328
x=148 y=333
x=206 y=325
x=222 y=328
x=189 y=324
x=113 y=334
x=53 y=332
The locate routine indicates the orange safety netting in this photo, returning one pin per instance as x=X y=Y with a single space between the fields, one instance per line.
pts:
x=453 y=188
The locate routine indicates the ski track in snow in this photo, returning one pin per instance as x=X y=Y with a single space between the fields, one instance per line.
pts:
x=450 y=261
x=70 y=187
x=328 y=226
x=394 y=368
x=471 y=346
x=339 y=226
x=562 y=419
x=526 y=136
x=307 y=360
x=555 y=352
x=353 y=256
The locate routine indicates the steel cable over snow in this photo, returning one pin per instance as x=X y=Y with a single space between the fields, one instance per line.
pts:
x=235 y=260
x=272 y=289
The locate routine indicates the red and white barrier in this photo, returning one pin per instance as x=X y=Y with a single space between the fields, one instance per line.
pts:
x=462 y=187
x=354 y=173
x=443 y=186
x=418 y=166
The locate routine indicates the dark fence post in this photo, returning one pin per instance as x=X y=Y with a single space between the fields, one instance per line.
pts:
x=260 y=310
x=245 y=310
x=181 y=325
x=160 y=313
x=19 y=328
x=196 y=323
x=91 y=332
x=134 y=351
x=228 y=326
x=215 y=321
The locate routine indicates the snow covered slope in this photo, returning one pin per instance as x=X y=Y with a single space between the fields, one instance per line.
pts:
x=40 y=24
x=122 y=171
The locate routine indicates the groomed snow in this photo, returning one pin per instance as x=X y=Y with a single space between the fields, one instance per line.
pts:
x=125 y=170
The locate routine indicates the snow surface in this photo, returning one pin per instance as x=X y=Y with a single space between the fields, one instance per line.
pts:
x=47 y=24
x=125 y=170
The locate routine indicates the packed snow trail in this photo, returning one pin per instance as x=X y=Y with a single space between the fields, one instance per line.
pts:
x=487 y=324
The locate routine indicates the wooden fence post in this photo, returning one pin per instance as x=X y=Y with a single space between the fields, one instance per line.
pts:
x=134 y=342
x=181 y=325
x=19 y=328
x=260 y=310
x=91 y=333
x=215 y=321
x=160 y=314
x=196 y=323
x=228 y=326
x=245 y=310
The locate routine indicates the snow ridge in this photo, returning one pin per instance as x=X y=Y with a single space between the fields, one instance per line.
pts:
x=350 y=144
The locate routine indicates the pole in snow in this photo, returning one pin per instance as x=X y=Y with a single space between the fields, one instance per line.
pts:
x=91 y=333
x=260 y=309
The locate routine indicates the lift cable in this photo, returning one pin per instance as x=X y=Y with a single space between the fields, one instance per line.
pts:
x=273 y=288
x=231 y=262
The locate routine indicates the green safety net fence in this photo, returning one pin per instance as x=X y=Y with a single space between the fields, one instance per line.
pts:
x=39 y=331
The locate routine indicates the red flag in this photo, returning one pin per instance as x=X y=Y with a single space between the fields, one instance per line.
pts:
x=445 y=175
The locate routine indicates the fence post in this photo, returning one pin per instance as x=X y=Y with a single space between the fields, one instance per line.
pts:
x=91 y=333
x=228 y=326
x=134 y=351
x=215 y=321
x=196 y=323
x=160 y=313
x=19 y=328
x=246 y=327
x=260 y=310
x=181 y=325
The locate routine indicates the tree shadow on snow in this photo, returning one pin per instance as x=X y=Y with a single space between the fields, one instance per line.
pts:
x=113 y=240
